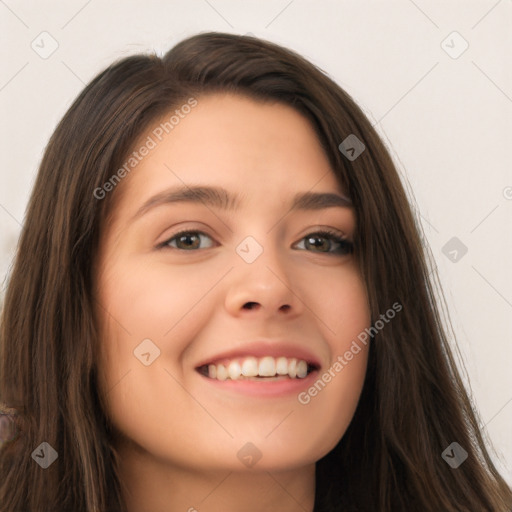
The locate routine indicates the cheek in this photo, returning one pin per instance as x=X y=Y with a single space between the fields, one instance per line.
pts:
x=137 y=302
x=144 y=301
x=149 y=300
x=342 y=306
x=333 y=397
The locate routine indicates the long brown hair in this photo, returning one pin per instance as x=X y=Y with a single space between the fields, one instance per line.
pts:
x=413 y=404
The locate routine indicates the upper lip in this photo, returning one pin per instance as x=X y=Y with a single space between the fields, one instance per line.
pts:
x=264 y=348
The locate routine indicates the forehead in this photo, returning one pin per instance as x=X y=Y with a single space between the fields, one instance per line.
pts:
x=234 y=142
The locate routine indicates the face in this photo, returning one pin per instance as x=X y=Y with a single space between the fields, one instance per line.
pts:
x=252 y=287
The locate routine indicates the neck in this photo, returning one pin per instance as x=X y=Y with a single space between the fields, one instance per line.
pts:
x=153 y=485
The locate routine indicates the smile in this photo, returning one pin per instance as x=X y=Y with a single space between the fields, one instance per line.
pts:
x=266 y=368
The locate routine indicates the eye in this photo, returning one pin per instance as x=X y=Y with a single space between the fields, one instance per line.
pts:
x=326 y=239
x=185 y=240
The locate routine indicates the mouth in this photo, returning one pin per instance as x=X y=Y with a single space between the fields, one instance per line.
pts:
x=259 y=369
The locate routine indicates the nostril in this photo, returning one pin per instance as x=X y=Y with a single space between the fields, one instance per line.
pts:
x=249 y=305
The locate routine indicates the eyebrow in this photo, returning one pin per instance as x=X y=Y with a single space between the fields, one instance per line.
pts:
x=220 y=198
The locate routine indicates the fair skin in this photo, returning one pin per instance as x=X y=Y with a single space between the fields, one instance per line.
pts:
x=179 y=433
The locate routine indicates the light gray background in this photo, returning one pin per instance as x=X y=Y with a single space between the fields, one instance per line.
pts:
x=447 y=119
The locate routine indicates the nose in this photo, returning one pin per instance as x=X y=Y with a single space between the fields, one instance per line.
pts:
x=264 y=288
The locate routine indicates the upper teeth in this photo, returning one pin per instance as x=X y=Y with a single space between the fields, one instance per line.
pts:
x=264 y=367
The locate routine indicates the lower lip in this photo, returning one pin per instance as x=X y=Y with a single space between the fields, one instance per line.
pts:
x=276 y=388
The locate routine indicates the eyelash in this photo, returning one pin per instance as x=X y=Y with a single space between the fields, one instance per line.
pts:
x=347 y=245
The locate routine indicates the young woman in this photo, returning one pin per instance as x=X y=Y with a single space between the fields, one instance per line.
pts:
x=220 y=301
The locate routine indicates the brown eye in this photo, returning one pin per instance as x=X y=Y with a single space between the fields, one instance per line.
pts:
x=324 y=241
x=327 y=242
x=185 y=240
